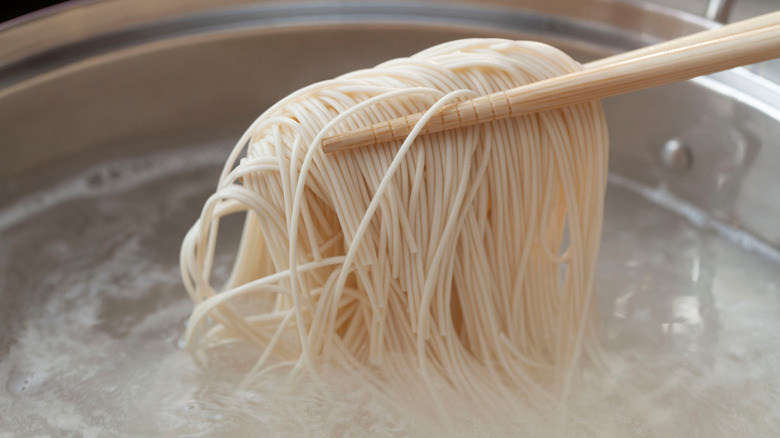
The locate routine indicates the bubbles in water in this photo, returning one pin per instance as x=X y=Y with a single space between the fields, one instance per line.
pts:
x=190 y=405
x=22 y=383
x=111 y=178
x=690 y=322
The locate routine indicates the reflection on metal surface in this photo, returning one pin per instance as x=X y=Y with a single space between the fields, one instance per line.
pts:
x=718 y=10
x=86 y=20
x=301 y=17
x=676 y=155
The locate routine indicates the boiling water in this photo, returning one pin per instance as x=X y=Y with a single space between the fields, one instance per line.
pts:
x=93 y=309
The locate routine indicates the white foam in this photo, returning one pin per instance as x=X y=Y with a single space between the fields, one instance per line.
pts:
x=112 y=177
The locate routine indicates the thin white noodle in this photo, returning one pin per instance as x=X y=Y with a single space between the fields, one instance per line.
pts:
x=440 y=258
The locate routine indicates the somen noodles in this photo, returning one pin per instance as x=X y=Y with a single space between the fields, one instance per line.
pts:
x=465 y=257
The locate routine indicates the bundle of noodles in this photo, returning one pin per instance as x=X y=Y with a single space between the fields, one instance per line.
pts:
x=465 y=257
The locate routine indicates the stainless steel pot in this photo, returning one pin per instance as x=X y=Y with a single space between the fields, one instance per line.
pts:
x=113 y=72
x=101 y=81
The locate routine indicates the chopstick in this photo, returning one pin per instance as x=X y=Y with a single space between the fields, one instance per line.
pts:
x=737 y=44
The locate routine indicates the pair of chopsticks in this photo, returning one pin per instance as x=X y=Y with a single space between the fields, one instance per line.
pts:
x=737 y=44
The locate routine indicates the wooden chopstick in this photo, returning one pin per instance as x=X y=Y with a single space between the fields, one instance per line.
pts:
x=758 y=22
x=741 y=43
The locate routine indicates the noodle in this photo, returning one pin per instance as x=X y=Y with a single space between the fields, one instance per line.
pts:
x=466 y=256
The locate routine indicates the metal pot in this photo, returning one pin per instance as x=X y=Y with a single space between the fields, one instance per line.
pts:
x=159 y=89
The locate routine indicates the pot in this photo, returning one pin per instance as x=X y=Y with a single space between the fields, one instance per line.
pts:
x=115 y=116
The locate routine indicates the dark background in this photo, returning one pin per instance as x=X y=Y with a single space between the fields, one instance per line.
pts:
x=13 y=8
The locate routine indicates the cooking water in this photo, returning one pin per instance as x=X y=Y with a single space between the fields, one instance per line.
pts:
x=93 y=310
